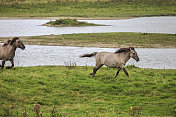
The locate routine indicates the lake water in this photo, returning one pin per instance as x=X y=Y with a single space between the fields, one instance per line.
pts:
x=33 y=27
x=35 y=55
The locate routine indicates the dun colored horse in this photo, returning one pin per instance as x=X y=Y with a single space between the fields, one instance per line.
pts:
x=7 y=51
x=117 y=59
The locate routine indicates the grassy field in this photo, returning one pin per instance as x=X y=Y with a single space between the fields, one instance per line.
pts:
x=74 y=93
x=110 y=40
x=89 y=8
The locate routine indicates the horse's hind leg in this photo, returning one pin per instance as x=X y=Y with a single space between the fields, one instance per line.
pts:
x=95 y=69
x=12 y=62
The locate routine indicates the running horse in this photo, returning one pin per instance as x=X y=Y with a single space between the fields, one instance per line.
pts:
x=116 y=59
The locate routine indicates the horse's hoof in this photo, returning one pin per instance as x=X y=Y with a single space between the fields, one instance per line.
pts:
x=91 y=74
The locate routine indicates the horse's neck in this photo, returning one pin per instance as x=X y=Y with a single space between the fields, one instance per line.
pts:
x=125 y=57
x=11 y=49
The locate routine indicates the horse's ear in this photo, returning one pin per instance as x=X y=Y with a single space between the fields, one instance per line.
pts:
x=13 y=40
x=122 y=50
x=8 y=41
x=131 y=48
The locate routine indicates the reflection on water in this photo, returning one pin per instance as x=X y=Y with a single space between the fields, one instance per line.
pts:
x=33 y=27
x=35 y=55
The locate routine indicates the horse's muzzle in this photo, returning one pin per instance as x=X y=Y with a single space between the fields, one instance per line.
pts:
x=137 y=59
x=23 y=47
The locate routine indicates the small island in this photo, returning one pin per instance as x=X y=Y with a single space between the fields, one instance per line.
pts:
x=68 y=23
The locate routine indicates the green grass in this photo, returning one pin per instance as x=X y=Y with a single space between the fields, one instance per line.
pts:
x=111 y=40
x=74 y=93
x=68 y=22
x=79 y=8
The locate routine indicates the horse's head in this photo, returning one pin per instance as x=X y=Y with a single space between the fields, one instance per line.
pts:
x=133 y=53
x=17 y=42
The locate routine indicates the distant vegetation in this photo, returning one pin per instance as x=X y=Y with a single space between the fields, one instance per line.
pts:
x=69 y=22
x=86 y=8
x=49 y=1
x=70 y=91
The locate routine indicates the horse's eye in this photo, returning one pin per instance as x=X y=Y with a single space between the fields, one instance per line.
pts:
x=18 y=42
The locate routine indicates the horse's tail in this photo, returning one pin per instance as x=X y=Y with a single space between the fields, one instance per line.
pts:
x=89 y=55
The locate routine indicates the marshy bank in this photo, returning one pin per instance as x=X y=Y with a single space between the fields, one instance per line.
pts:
x=103 y=40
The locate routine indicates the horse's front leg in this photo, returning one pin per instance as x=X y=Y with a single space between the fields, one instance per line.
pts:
x=117 y=72
x=12 y=62
x=125 y=72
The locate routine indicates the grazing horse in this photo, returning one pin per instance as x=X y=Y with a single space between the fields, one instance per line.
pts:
x=117 y=59
x=7 y=51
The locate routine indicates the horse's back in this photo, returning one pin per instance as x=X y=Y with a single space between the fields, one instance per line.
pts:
x=107 y=58
x=103 y=55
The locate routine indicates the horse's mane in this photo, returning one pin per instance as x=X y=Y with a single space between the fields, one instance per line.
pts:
x=13 y=40
x=124 y=50
x=10 y=41
x=6 y=43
